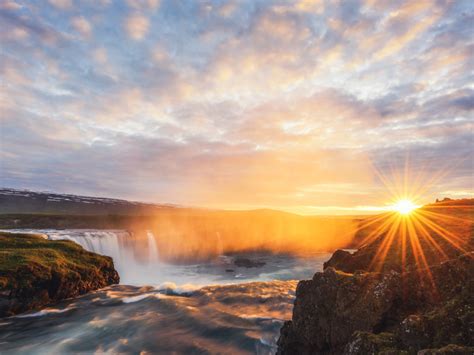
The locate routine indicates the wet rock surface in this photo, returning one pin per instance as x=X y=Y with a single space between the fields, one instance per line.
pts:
x=35 y=272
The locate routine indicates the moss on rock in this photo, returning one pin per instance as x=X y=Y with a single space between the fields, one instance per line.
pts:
x=35 y=271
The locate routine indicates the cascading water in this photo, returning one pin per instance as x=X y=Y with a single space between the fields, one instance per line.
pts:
x=101 y=242
x=152 y=247
x=137 y=259
x=128 y=250
x=219 y=318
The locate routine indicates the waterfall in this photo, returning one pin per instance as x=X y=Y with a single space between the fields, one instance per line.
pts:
x=100 y=242
x=135 y=256
x=152 y=247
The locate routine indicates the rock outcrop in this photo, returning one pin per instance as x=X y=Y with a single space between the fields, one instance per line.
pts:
x=35 y=272
x=368 y=313
x=399 y=294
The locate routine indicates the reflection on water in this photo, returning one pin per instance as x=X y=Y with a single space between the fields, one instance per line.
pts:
x=239 y=309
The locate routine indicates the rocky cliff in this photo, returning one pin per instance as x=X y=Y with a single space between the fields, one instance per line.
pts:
x=367 y=313
x=35 y=272
x=423 y=305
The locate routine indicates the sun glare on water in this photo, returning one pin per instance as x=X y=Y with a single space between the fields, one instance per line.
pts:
x=404 y=207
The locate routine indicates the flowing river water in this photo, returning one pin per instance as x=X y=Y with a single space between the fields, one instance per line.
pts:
x=218 y=305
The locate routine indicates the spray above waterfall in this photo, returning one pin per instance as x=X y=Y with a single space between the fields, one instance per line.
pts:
x=172 y=248
x=139 y=258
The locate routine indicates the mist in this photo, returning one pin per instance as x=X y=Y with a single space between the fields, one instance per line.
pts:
x=189 y=237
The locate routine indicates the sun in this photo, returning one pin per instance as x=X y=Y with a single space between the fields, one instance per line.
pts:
x=404 y=207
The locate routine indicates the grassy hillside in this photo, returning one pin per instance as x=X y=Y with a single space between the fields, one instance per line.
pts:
x=35 y=271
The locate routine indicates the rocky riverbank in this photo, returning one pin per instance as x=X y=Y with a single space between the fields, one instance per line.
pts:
x=367 y=313
x=35 y=272
x=423 y=305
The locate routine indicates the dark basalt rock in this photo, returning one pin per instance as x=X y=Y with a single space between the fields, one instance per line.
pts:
x=35 y=272
x=389 y=312
x=369 y=343
x=347 y=262
x=449 y=349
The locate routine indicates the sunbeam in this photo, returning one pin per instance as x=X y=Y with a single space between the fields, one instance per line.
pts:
x=410 y=235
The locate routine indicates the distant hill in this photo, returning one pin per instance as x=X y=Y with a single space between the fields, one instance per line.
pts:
x=452 y=202
x=25 y=201
x=186 y=233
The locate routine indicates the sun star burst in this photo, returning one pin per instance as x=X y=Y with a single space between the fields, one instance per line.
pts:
x=404 y=206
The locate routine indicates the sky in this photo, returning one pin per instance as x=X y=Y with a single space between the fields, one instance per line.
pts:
x=305 y=106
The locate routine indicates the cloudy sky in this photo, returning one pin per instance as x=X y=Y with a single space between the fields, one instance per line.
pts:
x=304 y=106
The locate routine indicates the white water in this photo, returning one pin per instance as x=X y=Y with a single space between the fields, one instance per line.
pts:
x=222 y=318
x=152 y=247
x=137 y=259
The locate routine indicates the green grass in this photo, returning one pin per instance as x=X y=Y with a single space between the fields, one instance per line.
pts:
x=28 y=257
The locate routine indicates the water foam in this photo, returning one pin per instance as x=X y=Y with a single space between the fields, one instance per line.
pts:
x=43 y=312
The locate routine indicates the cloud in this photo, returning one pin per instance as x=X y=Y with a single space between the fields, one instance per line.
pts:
x=61 y=4
x=311 y=5
x=214 y=171
x=144 y=4
x=235 y=104
x=10 y=5
x=100 y=55
x=398 y=42
x=21 y=27
x=137 y=26
x=82 y=26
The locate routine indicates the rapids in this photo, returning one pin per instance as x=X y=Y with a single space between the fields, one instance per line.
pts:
x=160 y=307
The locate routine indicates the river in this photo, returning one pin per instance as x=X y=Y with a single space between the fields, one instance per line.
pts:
x=216 y=305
